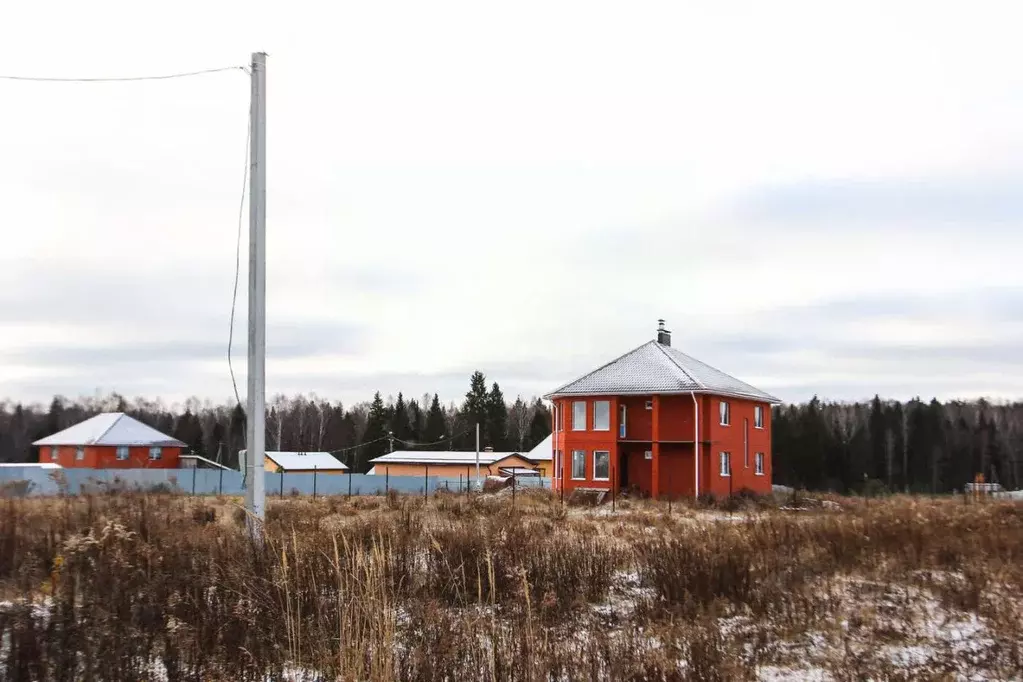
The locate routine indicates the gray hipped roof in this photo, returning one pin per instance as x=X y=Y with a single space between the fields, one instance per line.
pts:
x=110 y=428
x=656 y=368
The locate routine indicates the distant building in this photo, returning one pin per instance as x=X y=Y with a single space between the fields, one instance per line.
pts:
x=543 y=456
x=303 y=463
x=448 y=464
x=647 y=419
x=111 y=440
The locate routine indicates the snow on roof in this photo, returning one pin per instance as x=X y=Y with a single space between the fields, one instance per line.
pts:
x=543 y=451
x=294 y=461
x=656 y=368
x=442 y=457
x=110 y=428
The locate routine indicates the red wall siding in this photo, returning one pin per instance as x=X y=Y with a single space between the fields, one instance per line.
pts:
x=105 y=457
x=676 y=470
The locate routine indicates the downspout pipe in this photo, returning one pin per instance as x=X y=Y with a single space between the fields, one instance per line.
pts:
x=696 y=443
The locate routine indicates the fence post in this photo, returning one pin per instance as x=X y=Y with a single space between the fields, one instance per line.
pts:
x=220 y=485
x=193 y=477
x=282 y=484
x=513 y=489
x=459 y=484
x=426 y=484
x=349 y=486
x=314 y=483
x=387 y=481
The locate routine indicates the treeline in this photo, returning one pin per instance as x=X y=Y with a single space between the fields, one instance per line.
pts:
x=355 y=434
x=846 y=447
x=887 y=445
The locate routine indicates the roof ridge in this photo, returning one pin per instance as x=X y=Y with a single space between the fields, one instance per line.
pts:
x=606 y=364
x=681 y=368
x=120 y=415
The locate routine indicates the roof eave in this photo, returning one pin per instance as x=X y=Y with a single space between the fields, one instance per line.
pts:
x=767 y=398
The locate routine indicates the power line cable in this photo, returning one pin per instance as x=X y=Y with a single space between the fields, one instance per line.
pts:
x=121 y=79
x=238 y=261
x=414 y=444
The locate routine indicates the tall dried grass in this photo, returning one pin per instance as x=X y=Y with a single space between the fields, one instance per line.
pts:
x=162 y=587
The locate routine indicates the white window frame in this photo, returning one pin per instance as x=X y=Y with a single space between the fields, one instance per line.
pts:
x=559 y=417
x=55 y=452
x=582 y=453
x=648 y=454
x=758 y=416
x=758 y=463
x=623 y=414
x=125 y=450
x=79 y=454
x=575 y=415
x=725 y=459
x=601 y=452
x=725 y=413
x=596 y=427
x=155 y=453
x=649 y=404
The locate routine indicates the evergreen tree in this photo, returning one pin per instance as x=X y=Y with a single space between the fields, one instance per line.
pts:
x=474 y=411
x=376 y=429
x=400 y=427
x=415 y=421
x=539 y=426
x=436 y=426
x=497 y=419
x=236 y=437
x=189 y=431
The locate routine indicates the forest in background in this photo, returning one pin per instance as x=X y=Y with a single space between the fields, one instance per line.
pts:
x=878 y=445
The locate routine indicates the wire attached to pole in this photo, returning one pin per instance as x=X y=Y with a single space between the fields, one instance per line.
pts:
x=121 y=79
x=238 y=263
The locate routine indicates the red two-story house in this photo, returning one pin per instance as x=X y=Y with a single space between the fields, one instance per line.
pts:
x=659 y=422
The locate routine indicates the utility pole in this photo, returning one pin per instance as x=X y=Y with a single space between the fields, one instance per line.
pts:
x=390 y=440
x=255 y=424
x=478 y=485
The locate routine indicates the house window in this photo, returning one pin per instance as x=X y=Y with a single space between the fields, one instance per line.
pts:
x=726 y=464
x=725 y=412
x=649 y=454
x=79 y=454
x=758 y=417
x=579 y=465
x=601 y=465
x=758 y=462
x=622 y=412
x=122 y=452
x=155 y=453
x=601 y=415
x=649 y=404
x=559 y=417
x=54 y=453
x=579 y=415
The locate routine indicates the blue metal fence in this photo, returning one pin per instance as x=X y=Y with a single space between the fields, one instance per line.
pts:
x=36 y=481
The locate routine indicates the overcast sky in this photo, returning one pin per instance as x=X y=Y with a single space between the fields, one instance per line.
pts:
x=818 y=199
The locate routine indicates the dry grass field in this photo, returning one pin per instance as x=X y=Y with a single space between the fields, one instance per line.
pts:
x=127 y=587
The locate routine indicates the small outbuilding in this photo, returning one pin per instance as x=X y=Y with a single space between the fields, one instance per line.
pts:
x=447 y=464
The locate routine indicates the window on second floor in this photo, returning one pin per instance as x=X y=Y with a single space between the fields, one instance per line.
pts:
x=758 y=462
x=601 y=415
x=579 y=465
x=726 y=464
x=579 y=415
x=622 y=414
x=559 y=417
x=601 y=465
x=758 y=417
x=725 y=412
